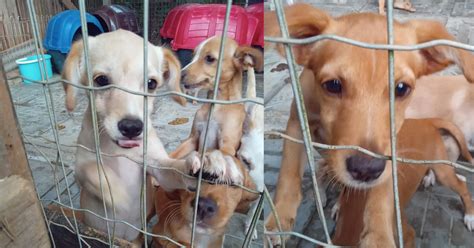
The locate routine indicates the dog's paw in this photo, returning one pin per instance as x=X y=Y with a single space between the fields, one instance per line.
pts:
x=335 y=211
x=271 y=226
x=221 y=168
x=469 y=221
x=193 y=162
x=429 y=179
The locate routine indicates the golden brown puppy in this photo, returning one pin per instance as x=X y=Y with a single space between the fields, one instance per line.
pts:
x=217 y=204
x=345 y=93
x=368 y=215
x=226 y=126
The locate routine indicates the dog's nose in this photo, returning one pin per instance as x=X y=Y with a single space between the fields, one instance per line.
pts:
x=364 y=168
x=130 y=128
x=207 y=208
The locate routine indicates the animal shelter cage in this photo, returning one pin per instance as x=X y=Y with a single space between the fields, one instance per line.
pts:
x=287 y=42
x=71 y=224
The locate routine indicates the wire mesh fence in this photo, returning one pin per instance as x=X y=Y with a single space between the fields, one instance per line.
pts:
x=286 y=41
x=59 y=167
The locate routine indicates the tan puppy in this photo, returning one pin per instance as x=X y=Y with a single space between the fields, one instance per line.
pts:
x=346 y=94
x=363 y=213
x=447 y=97
x=116 y=59
x=397 y=4
x=225 y=128
x=217 y=204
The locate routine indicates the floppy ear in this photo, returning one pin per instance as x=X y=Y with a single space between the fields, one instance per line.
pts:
x=248 y=56
x=172 y=74
x=303 y=21
x=439 y=57
x=72 y=73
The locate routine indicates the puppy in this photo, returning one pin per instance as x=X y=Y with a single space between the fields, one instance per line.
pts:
x=251 y=144
x=447 y=97
x=217 y=204
x=120 y=121
x=430 y=101
x=345 y=93
x=225 y=128
x=368 y=215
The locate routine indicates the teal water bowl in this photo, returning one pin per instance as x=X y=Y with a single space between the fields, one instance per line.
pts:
x=30 y=67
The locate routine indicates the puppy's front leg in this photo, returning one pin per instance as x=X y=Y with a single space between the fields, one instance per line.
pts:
x=379 y=217
x=88 y=178
x=288 y=191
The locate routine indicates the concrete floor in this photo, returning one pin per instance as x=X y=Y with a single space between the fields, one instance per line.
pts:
x=436 y=213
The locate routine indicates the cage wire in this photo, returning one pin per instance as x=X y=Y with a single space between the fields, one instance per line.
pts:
x=90 y=88
x=286 y=41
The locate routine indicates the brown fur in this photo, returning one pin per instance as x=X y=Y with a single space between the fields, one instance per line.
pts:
x=175 y=211
x=362 y=212
x=359 y=116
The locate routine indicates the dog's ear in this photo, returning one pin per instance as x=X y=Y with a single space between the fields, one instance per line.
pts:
x=246 y=56
x=439 y=57
x=73 y=73
x=303 y=21
x=172 y=74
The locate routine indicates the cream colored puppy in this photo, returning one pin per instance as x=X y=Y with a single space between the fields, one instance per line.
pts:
x=116 y=59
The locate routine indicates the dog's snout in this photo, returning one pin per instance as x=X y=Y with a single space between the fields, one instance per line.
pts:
x=207 y=208
x=130 y=128
x=364 y=168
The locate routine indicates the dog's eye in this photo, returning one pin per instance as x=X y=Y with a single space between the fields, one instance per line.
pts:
x=101 y=80
x=152 y=84
x=209 y=59
x=402 y=89
x=333 y=86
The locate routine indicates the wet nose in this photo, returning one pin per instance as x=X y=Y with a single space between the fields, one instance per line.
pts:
x=207 y=208
x=364 y=168
x=130 y=128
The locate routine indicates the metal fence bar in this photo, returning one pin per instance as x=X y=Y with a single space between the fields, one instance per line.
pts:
x=458 y=165
x=298 y=99
x=255 y=218
x=357 y=43
x=100 y=165
x=163 y=94
x=51 y=112
x=145 y=117
x=214 y=97
x=25 y=136
x=393 y=129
